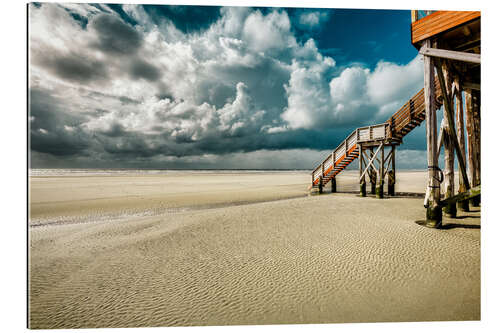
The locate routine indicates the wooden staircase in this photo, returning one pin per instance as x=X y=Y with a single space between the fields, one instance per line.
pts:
x=392 y=132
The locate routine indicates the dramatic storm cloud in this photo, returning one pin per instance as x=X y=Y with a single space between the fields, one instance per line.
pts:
x=199 y=87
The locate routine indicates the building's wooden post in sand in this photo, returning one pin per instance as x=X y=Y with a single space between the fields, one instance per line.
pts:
x=434 y=215
x=472 y=117
x=391 y=174
x=452 y=41
x=362 y=180
x=372 y=175
x=459 y=112
x=380 y=184
x=450 y=209
x=334 y=185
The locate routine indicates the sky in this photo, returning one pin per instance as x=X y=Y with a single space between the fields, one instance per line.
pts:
x=206 y=87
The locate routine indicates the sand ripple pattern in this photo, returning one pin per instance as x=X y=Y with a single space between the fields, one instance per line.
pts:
x=334 y=258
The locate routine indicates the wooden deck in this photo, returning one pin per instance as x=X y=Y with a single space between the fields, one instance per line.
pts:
x=440 y=22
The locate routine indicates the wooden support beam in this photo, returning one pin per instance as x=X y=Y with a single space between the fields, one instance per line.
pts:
x=391 y=177
x=386 y=160
x=469 y=194
x=379 y=192
x=362 y=181
x=372 y=174
x=371 y=160
x=473 y=138
x=452 y=55
x=450 y=210
x=414 y=15
x=388 y=157
x=459 y=119
x=476 y=108
x=452 y=133
x=472 y=86
x=440 y=136
x=434 y=213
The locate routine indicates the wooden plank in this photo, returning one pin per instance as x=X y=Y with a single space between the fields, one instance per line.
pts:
x=437 y=26
x=469 y=194
x=425 y=31
x=439 y=22
x=453 y=55
x=472 y=85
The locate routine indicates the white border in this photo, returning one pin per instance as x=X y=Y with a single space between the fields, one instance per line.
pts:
x=13 y=243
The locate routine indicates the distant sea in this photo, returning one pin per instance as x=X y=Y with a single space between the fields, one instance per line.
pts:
x=118 y=172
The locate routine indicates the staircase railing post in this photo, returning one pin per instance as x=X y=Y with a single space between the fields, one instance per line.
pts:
x=411 y=108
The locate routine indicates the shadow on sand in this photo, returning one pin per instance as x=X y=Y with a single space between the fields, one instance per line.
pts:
x=448 y=226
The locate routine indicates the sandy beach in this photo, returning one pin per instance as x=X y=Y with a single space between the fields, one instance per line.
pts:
x=126 y=249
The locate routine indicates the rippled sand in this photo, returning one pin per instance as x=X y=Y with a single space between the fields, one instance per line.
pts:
x=249 y=256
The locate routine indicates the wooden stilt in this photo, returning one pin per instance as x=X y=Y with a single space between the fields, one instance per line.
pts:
x=473 y=149
x=391 y=175
x=451 y=126
x=362 y=181
x=320 y=185
x=380 y=184
x=434 y=213
x=334 y=185
x=373 y=175
x=450 y=209
x=459 y=108
x=476 y=108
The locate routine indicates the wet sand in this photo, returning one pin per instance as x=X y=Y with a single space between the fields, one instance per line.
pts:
x=249 y=248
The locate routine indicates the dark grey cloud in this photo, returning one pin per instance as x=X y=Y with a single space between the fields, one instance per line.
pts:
x=115 y=130
x=115 y=36
x=72 y=67
x=52 y=129
x=141 y=69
